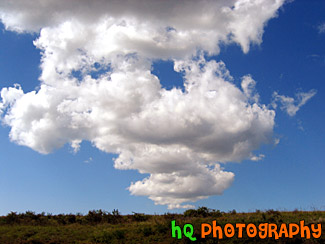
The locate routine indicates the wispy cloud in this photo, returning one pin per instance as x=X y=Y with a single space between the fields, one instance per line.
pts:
x=321 y=28
x=291 y=105
x=90 y=159
x=257 y=157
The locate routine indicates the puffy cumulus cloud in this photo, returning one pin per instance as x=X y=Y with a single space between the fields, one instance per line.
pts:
x=159 y=28
x=291 y=105
x=175 y=188
x=10 y=95
x=97 y=85
x=176 y=136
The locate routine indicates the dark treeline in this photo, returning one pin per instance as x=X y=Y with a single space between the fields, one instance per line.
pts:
x=93 y=217
x=99 y=226
x=101 y=217
x=97 y=217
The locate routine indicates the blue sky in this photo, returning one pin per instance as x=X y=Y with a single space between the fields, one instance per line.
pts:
x=290 y=60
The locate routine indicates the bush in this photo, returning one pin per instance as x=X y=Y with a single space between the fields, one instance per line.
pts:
x=70 y=218
x=147 y=231
x=94 y=216
x=119 y=234
x=216 y=213
x=12 y=218
x=202 y=212
x=162 y=228
x=109 y=236
x=191 y=213
x=103 y=237
x=115 y=212
x=139 y=217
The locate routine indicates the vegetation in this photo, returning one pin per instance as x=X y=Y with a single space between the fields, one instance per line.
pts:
x=100 y=226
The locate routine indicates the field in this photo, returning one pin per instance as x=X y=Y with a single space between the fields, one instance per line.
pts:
x=111 y=227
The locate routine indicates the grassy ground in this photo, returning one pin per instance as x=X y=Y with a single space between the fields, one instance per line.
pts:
x=103 y=227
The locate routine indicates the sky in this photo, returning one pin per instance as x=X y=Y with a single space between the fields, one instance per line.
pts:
x=160 y=106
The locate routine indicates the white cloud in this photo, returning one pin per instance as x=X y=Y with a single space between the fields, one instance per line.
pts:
x=321 y=28
x=257 y=158
x=178 y=137
x=178 y=187
x=156 y=28
x=90 y=159
x=276 y=141
x=291 y=105
x=248 y=86
x=167 y=133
